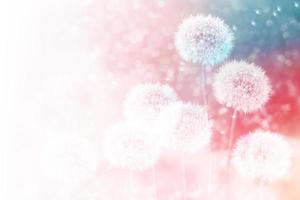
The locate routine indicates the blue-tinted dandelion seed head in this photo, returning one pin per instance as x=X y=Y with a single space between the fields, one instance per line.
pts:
x=204 y=40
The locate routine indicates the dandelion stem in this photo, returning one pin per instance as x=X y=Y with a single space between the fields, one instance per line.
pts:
x=154 y=175
x=205 y=102
x=204 y=92
x=184 y=178
x=230 y=138
x=260 y=190
x=130 y=185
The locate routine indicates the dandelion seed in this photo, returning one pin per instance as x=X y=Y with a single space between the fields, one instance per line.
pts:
x=187 y=126
x=205 y=40
x=242 y=86
x=262 y=155
x=279 y=9
x=130 y=147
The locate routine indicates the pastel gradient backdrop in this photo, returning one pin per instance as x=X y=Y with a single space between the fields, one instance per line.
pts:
x=68 y=65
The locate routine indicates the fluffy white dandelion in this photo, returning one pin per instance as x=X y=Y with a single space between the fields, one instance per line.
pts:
x=67 y=159
x=205 y=40
x=186 y=125
x=130 y=147
x=242 y=86
x=262 y=155
x=145 y=102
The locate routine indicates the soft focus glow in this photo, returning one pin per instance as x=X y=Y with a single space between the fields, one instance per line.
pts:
x=145 y=102
x=68 y=159
x=66 y=67
x=262 y=155
x=242 y=86
x=130 y=147
x=205 y=40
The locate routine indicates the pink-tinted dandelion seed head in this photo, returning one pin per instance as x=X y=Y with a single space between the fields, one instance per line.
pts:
x=262 y=155
x=242 y=86
x=186 y=125
x=145 y=102
x=129 y=147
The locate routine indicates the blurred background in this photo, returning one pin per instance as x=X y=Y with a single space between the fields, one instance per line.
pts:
x=67 y=66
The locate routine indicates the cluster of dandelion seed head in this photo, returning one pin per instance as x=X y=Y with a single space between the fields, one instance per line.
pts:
x=144 y=102
x=67 y=159
x=204 y=40
x=242 y=86
x=186 y=125
x=262 y=155
x=131 y=148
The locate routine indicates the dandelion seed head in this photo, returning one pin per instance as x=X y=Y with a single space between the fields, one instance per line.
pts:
x=145 y=102
x=187 y=126
x=242 y=86
x=130 y=147
x=68 y=159
x=262 y=155
x=205 y=40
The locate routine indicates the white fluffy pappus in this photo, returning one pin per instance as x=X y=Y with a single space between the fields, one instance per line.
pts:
x=144 y=102
x=204 y=40
x=242 y=86
x=262 y=155
x=130 y=147
x=186 y=126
